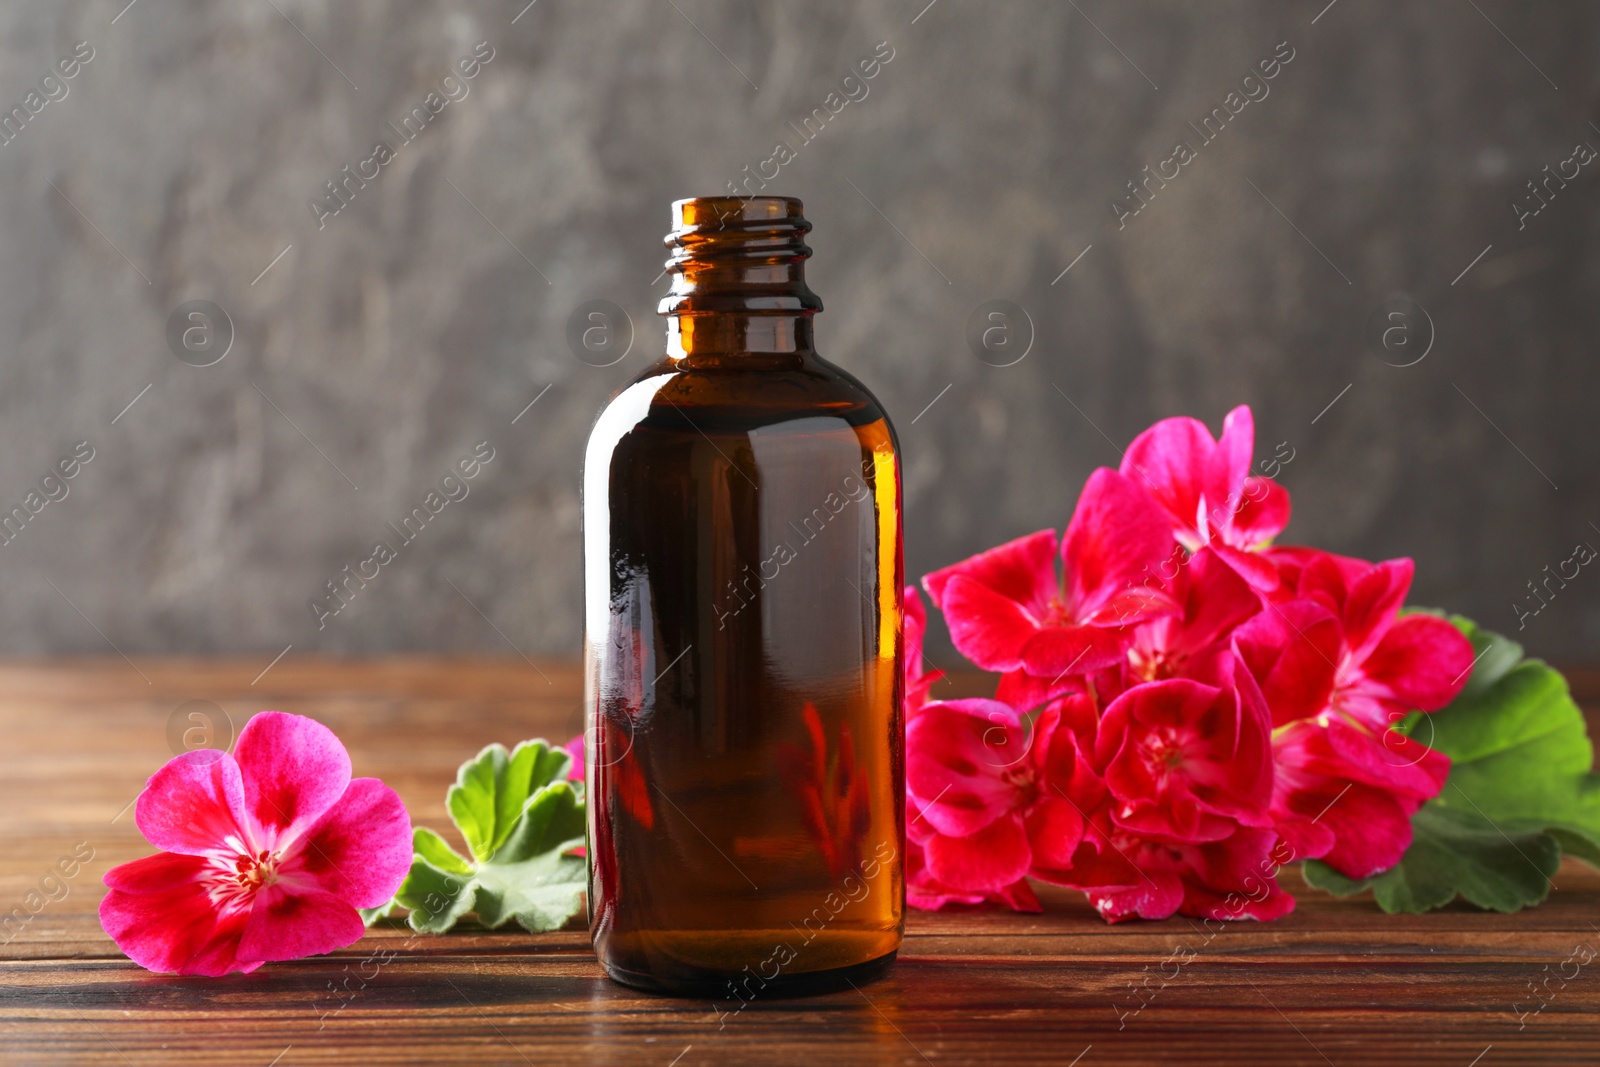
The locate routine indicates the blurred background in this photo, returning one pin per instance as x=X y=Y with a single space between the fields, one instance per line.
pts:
x=252 y=359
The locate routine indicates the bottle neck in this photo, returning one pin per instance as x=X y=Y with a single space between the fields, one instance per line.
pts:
x=732 y=333
x=738 y=278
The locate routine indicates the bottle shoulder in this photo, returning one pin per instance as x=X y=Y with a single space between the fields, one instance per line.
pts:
x=747 y=394
x=767 y=424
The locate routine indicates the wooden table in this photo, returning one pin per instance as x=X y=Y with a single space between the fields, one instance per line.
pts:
x=1337 y=982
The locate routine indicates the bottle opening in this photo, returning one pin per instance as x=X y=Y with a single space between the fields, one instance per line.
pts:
x=738 y=254
x=715 y=212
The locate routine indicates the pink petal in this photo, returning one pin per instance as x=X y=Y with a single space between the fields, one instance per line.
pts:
x=1061 y=755
x=1309 y=570
x=988 y=628
x=168 y=923
x=1237 y=878
x=1278 y=904
x=1234 y=861
x=1357 y=787
x=1251 y=766
x=1099 y=863
x=958 y=756
x=1265 y=901
x=1402 y=755
x=294 y=769
x=1252 y=567
x=1168 y=703
x=1322 y=576
x=918 y=683
x=1132 y=605
x=1023 y=691
x=1068 y=787
x=1424 y=660
x=1390 y=761
x=1229 y=467
x=194 y=805
x=1371 y=831
x=1291 y=561
x=289 y=922
x=1018 y=896
x=1169 y=461
x=932 y=896
x=360 y=850
x=990 y=859
x=1062 y=651
x=1022 y=570
x=1263 y=515
x=1292 y=649
x=918 y=830
x=156 y=874
x=1157 y=898
x=1305 y=838
x=926 y=893
x=1369 y=703
x=575 y=752
x=1112 y=546
x=1371 y=603
x=1215 y=601
x=916 y=628
x=220 y=955
x=1055 y=829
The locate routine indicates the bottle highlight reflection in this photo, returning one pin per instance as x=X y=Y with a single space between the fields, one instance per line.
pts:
x=743 y=615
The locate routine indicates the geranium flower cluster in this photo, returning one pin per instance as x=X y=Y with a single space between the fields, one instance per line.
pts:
x=1182 y=708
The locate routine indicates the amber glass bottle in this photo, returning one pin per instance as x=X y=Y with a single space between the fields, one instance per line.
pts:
x=743 y=574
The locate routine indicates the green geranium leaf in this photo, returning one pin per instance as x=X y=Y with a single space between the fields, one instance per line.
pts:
x=1319 y=875
x=1581 y=846
x=433 y=848
x=522 y=821
x=435 y=898
x=1520 y=791
x=491 y=791
x=531 y=878
x=1452 y=853
x=1518 y=745
x=372 y=915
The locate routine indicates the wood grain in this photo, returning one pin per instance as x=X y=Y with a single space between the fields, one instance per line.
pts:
x=1337 y=982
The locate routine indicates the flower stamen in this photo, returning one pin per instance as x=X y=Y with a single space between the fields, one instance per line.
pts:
x=235 y=882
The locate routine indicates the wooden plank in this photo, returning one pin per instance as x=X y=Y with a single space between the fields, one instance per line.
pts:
x=1336 y=982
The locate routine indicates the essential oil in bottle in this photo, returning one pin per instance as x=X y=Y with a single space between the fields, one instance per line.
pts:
x=743 y=576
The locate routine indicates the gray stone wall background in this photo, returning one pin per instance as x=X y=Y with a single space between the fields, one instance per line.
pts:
x=376 y=350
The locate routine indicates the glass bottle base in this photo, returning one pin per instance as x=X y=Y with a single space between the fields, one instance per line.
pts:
x=721 y=986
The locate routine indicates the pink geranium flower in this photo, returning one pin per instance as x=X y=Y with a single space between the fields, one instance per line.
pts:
x=926 y=892
x=1207 y=491
x=1293 y=649
x=1341 y=668
x=265 y=854
x=1388 y=665
x=1347 y=796
x=1212 y=601
x=1009 y=609
x=1130 y=877
x=1186 y=761
x=995 y=792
